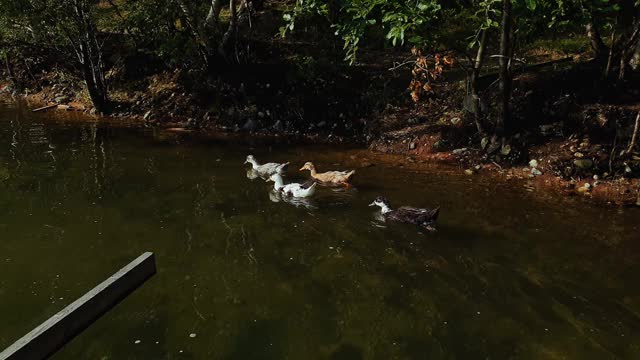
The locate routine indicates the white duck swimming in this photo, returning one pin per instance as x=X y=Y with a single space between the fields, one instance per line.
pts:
x=267 y=169
x=293 y=189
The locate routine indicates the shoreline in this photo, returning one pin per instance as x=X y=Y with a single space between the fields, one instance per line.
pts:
x=417 y=154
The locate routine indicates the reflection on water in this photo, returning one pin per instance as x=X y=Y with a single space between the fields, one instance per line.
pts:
x=509 y=274
x=307 y=203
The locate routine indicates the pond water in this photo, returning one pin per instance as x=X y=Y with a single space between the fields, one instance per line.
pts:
x=510 y=274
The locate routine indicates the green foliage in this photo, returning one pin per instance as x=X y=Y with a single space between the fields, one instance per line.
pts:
x=403 y=21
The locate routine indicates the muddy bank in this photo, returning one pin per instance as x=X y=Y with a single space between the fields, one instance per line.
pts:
x=575 y=166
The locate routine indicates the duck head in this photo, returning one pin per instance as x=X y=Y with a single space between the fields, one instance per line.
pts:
x=308 y=166
x=382 y=203
x=277 y=180
x=250 y=159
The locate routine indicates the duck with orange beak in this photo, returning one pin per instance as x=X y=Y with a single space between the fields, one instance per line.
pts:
x=329 y=177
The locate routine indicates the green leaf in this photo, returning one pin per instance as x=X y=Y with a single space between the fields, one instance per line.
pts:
x=531 y=4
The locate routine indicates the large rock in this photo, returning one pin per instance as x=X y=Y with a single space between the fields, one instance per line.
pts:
x=583 y=164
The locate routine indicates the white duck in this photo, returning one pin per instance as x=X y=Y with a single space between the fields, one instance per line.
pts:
x=293 y=189
x=267 y=169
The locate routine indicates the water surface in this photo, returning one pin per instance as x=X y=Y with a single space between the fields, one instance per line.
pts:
x=244 y=275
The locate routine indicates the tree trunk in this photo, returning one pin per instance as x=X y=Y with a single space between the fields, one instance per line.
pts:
x=214 y=14
x=598 y=46
x=232 y=32
x=628 y=49
x=12 y=76
x=504 y=121
x=475 y=75
x=196 y=31
x=607 y=70
x=89 y=55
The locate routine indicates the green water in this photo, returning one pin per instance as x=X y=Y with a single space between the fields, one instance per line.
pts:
x=510 y=274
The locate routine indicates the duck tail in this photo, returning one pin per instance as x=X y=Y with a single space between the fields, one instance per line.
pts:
x=282 y=168
x=350 y=174
x=435 y=213
x=311 y=189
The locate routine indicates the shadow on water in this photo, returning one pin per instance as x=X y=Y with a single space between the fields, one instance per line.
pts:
x=245 y=273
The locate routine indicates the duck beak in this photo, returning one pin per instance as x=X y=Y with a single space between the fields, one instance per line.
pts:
x=246 y=162
x=373 y=204
x=302 y=168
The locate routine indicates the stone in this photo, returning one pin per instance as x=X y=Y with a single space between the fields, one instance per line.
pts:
x=584 y=188
x=492 y=147
x=533 y=163
x=412 y=121
x=278 y=126
x=579 y=155
x=506 y=150
x=468 y=172
x=250 y=125
x=484 y=142
x=412 y=146
x=455 y=121
x=260 y=114
x=438 y=144
x=61 y=99
x=583 y=164
x=459 y=151
x=536 y=172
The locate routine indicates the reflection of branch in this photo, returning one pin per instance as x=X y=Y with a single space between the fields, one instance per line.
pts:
x=195 y=307
x=189 y=238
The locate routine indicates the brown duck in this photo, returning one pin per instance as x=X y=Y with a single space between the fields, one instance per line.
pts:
x=329 y=177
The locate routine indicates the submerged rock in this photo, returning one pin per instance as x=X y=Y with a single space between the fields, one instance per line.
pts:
x=533 y=163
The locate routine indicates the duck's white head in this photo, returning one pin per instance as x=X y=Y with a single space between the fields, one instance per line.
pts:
x=277 y=180
x=251 y=160
x=382 y=203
